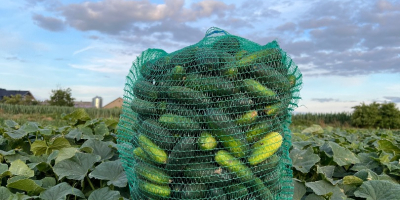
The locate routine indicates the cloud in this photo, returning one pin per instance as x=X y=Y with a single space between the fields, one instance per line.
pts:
x=393 y=99
x=82 y=50
x=49 y=23
x=14 y=58
x=323 y=100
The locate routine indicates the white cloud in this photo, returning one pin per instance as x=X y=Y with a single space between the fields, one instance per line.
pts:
x=82 y=50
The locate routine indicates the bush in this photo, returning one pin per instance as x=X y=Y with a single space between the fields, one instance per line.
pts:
x=376 y=115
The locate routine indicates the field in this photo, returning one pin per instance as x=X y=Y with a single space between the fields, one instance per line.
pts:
x=50 y=155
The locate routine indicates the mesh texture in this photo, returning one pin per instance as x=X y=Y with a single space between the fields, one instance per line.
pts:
x=210 y=121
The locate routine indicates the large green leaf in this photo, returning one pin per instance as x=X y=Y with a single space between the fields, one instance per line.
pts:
x=99 y=148
x=101 y=129
x=341 y=155
x=60 y=191
x=367 y=161
x=59 y=143
x=40 y=147
x=87 y=133
x=48 y=182
x=303 y=160
x=111 y=171
x=367 y=175
x=299 y=190
x=389 y=147
x=76 y=167
x=76 y=116
x=321 y=187
x=104 y=194
x=4 y=170
x=27 y=185
x=16 y=134
x=30 y=127
x=11 y=124
x=352 y=180
x=18 y=167
x=66 y=153
x=74 y=134
x=378 y=190
x=5 y=193
x=314 y=197
x=314 y=129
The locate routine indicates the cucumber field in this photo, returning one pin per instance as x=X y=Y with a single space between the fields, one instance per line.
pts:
x=40 y=161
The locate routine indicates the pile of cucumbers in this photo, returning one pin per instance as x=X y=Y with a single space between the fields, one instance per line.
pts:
x=208 y=122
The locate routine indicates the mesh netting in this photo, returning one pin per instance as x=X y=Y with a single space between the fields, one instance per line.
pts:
x=210 y=121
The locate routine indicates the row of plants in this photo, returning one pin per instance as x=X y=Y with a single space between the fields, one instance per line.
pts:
x=333 y=163
x=76 y=161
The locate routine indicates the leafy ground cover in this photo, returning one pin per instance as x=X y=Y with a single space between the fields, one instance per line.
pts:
x=335 y=164
x=75 y=161
x=79 y=160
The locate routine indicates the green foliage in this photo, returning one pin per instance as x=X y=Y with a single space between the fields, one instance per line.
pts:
x=384 y=115
x=48 y=162
x=61 y=97
x=333 y=163
x=19 y=100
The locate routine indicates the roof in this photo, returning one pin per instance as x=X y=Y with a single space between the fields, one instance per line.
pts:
x=7 y=93
x=118 y=101
x=83 y=104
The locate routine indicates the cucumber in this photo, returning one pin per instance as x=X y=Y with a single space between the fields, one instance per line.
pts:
x=271 y=178
x=207 y=142
x=140 y=155
x=210 y=84
x=265 y=148
x=236 y=192
x=230 y=136
x=230 y=71
x=216 y=194
x=154 y=152
x=184 y=57
x=240 y=54
x=206 y=60
x=172 y=108
x=180 y=155
x=152 y=174
x=229 y=44
x=143 y=107
x=267 y=166
x=237 y=103
x=247 y=118
x=153 y=190
x=158 y=134
x=261 y=128
x=194 y=191
x=260 y=190
x=145 y=90
x=207 y=173
x=270 y=77
x=178 y=73
x=262 y=56
x=234 y=165
x=258 y=91
x=292 y=80
x=189 y=96
x=179 y=123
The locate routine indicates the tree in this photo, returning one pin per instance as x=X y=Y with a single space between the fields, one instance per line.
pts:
x=18 y=99
x=384 y=115
x=390 y=116
x=61 y=97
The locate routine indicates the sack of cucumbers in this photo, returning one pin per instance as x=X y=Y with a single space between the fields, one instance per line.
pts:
x=210 y=121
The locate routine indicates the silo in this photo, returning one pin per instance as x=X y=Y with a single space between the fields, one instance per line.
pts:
x=97 y=102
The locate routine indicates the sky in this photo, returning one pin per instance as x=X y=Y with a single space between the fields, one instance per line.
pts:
x=347 y=51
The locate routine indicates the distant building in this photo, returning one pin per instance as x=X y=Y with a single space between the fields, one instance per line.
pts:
x=82 y=104
x=97 y=102
x=7 y=93
x=117 y=103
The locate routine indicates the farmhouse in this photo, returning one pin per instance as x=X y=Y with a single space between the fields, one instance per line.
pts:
x=7 y=93
x=117 y=103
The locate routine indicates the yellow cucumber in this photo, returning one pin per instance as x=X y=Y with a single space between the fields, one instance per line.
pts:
x=207 y=142
x=234 y=165
x=265 y=148
x=155 y=153
x=153 y=190
x=247 y=118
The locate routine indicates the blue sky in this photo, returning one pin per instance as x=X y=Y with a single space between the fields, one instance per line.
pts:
x=348 y=51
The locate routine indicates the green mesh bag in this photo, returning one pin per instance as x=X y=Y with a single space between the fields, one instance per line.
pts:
x=210 y=121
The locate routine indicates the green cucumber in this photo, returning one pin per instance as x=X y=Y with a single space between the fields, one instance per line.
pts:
x=194 y=191
x=237 y=103
x=140 y=155
x=178 y=73
x=179 y=123
x=261 y=56
x=234 y=165
x=173 y=108
x=240 y=54
x=227 y=132
x=206 y=60
x=267 y=166
x=155 y=153
x=217 y=194
x=145 y=90
x=227 y=43
x=236 y=192
x=152 y=174
x=247 y=118
x=153 y=190
x=270 y=77
x=189 y=97
x=210 y=84
x=143 y=107
x=207 y=173
x=258 y=91
x=207 y=142
x=265 y=148
x=158 y=134
x=261 y=128
x=180 y=155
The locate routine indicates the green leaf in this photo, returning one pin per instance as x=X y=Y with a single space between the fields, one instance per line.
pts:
x=16 y=134
x=104 y=194
x=30 y=127
x=39 y=147
x=314 y=129
x=60 y=191
x=101 y=129
x=378 y=190
x=5 y=194
x=111 y=171
x=45 y=131
x=48 y=182
x=76 y=167
x=314 y=197
x=367 y=175
x=27 y=185
x=321 y=187
x=299 y=190
x=7 y=153
x=341 y=155
x=303 y=160
x=66 y=153
x=4 y=170
x=389 y=147
x=20 y=196
x=367 y=161
x=59 y=143
x=18 y=167
x=352 y=180
x=87 y=134
x=99 y=148
x=11 y=124
x=77 y=115
x=74 y=134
